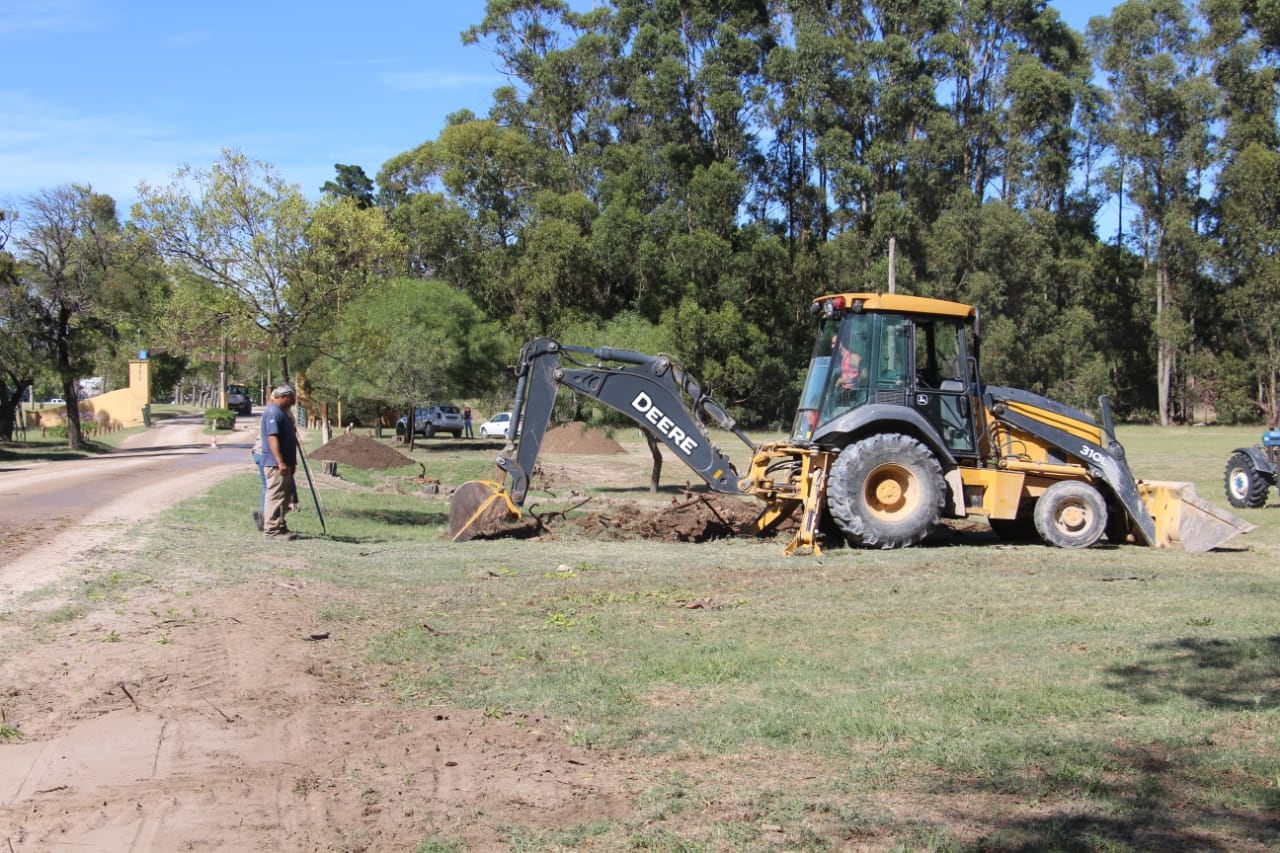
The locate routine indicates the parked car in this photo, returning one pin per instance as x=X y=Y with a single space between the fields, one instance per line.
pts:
x=55 y=400
x=431 y=419
x=496 y=426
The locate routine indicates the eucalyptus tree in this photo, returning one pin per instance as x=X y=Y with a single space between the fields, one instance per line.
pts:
x=805 y=84
x=1016 y=85
x=1159 y=131
x=1244 y=41
x=1249 y=231
x=560 y=63
x=1244 y=45
x=690 y=92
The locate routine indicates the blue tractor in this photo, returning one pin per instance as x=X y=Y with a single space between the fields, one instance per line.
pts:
x=1252 y=471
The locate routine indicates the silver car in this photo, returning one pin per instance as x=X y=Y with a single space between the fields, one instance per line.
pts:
x=429 y=420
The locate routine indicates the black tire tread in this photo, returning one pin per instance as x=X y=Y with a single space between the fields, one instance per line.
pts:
x=1055 y=494
x=845 y=491
x=1255 y=496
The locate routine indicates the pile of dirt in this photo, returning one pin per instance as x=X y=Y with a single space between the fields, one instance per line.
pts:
x=577 y=437
x=362 y=452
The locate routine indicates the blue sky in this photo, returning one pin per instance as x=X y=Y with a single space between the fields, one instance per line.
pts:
x=111 y=92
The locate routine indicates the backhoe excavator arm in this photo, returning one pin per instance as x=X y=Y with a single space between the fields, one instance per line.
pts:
x=652 y=390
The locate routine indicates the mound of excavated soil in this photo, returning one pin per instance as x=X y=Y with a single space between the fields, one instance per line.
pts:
x=362 y=452
x=577 y=437
x=689 y=518
x=696 y=518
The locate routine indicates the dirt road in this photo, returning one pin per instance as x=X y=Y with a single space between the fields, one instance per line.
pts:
x=56 y=511
x=233 y=719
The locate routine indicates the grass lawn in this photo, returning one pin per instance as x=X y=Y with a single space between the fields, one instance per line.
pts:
x=962 y=695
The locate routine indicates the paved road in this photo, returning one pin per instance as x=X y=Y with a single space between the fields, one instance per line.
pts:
x=51 y=512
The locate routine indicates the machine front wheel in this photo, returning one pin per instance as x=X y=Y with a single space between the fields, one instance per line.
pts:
x=1245 y=485
x=886 y=491
x=1071 y=514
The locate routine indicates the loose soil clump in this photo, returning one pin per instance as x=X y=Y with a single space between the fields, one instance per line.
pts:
x=361 y=452
x=688 y=518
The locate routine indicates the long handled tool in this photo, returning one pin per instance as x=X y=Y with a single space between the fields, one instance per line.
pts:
x=315 y=497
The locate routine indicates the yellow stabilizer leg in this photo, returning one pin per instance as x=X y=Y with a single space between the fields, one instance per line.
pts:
x=476 y=506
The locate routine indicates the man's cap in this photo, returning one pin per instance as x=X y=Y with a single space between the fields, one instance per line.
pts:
x=285 y=390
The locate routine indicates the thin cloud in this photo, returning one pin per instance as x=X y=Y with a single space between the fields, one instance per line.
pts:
x=191 y=38
x=438 y=81
x=43 y=145
x=47 y=16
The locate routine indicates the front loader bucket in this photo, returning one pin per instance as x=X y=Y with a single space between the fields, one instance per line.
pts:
x=1185 y=519
x=475 y=507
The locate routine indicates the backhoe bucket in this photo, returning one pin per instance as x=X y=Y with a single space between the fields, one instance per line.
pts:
x=1185 y=519
x=476 y=507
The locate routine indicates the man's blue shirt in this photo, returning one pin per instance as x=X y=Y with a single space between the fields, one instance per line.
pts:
x=276 y=421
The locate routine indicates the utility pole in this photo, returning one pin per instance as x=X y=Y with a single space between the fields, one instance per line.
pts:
x=893 y=264
x=222 y=376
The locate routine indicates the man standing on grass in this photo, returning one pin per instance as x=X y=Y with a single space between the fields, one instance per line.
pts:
x=279 y=461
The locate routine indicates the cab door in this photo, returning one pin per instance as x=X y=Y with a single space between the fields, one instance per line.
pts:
x=942 y=387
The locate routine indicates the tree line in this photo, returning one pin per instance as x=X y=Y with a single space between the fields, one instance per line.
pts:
x=685 y=176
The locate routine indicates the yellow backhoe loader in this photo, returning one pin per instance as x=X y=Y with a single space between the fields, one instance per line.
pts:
x=895 y=431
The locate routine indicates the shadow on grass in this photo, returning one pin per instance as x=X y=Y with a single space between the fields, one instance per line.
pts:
x=1230 y=675
x=1159 y=796
x=36 y=451
x=1157 y=823
x=437 y=444
x=393 y=517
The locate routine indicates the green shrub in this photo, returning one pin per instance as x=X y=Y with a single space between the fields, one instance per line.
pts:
x=88 y=427
x=219 y=418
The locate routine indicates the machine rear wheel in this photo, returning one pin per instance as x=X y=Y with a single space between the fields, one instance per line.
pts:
x=886 y=491
x=1245 y=485
x=1071 y=514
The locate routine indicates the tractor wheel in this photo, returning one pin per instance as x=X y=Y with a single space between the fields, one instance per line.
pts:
x=1245 y=484
x=886 y=491
x=1071 y=514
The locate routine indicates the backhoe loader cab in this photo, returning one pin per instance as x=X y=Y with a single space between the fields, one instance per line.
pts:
x=895 y=430
x=899 y=351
